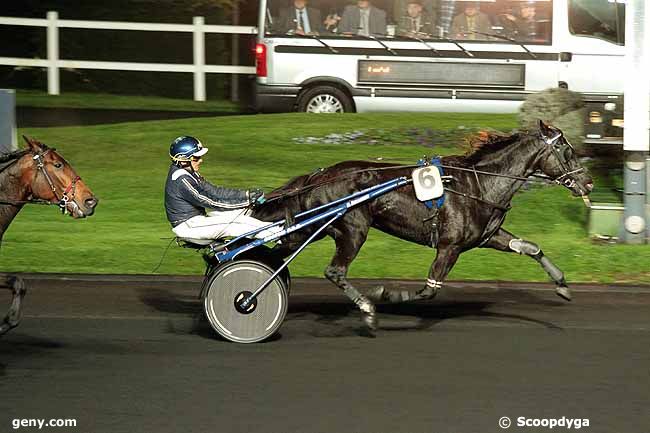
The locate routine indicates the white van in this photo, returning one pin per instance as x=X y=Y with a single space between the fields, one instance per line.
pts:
x=440 y=55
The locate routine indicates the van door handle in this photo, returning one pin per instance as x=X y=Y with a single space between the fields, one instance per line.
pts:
x=565 y=56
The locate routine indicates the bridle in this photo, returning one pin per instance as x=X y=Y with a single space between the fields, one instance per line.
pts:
x=561 y=149
x=62 y=200
x=72 y=186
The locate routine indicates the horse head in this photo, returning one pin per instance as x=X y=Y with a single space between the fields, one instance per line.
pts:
x=558 y=160
x=51 y=178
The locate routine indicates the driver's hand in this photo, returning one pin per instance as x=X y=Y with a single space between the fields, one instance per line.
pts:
x=256 y=196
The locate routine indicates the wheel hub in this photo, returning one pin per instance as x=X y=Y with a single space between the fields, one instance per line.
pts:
x=325 y=104
x=239 y=302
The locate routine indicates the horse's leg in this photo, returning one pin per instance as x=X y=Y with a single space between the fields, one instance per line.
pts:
x=12 y=319
x=349 y=235
x=446 y=257
x=503 y=240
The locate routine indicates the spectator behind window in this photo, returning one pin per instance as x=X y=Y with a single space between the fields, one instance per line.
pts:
x=299 y=19
x=527 y=25
x=363 y=19
x=469 y=21
x=415 y=22
x=430 y=8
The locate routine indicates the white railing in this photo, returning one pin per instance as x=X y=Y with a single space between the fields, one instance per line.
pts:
x=53 y=63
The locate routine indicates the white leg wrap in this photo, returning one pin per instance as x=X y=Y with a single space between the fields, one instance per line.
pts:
x=366 y=306
x=521 y=246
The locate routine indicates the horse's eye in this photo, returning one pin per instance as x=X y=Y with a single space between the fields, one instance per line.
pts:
x=58 y=165
x=568 y=153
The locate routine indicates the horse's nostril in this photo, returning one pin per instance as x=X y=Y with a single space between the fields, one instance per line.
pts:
x=590 y=186
x=91 y=202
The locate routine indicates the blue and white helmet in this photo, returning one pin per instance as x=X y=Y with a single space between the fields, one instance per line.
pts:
x=185 y=147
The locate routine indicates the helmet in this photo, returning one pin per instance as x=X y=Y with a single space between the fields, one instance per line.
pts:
x=185 y=147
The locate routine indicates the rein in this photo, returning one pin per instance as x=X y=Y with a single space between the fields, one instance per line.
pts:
x=564 y=179
x=296 y=191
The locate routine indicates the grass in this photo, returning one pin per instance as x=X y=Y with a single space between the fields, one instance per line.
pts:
x=126 y=165
x=32 y=98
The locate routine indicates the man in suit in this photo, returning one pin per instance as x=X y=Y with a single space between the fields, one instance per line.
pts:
x=299 y=19
x=415 y=21
x=527 y=26
x=469 y=21
x=363 y=19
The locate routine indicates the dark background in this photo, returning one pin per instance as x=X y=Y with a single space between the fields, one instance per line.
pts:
x=127 y=46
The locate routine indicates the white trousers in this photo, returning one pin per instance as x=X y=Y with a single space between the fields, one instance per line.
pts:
x=216 y=225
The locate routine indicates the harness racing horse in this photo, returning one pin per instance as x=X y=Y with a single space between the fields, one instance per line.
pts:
x=484 y=183
x=37 y=174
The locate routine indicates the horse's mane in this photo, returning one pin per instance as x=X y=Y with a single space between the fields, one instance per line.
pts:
x=7 y=159
x=4 y=157
x=487 y=142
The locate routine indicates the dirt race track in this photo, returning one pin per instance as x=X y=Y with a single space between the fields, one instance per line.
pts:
x=129 y=355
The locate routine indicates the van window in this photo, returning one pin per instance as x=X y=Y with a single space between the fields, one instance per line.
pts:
x=488 y=20
x=602 y=19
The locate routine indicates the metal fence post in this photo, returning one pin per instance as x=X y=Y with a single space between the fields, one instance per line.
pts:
x=7 y=120
x=53 y=87
x=636 y=139
x=199 y=59
x=647 y=198
x=234 y=48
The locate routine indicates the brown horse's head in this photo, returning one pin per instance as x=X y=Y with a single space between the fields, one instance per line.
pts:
x=51 y=178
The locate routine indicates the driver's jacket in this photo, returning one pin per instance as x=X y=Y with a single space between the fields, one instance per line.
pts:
x=187 y=195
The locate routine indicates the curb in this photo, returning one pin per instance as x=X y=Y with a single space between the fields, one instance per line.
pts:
x=314 y=283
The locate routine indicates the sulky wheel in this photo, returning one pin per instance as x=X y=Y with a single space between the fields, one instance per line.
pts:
x=232 y=283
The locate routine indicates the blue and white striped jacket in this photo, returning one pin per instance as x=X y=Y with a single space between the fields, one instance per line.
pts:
x=187 y=195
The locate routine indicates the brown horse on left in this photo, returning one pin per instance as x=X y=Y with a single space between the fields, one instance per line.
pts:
x=37 y=174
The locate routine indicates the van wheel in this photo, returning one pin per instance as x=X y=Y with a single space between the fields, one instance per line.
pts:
x=325 y=99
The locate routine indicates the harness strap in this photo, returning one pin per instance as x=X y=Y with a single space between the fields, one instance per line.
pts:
x=473 y=197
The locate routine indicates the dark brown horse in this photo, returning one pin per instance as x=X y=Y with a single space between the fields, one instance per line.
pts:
x=477 y=200
x=37 y=174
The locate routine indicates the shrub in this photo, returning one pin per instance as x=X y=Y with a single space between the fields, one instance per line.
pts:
x=559 y=107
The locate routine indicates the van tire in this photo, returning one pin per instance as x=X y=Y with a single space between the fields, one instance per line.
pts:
x=325 y=99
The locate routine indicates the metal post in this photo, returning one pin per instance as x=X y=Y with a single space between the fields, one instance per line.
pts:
x=53 y=87
x=199 y=59
x=8 y=141
x=234 y=47
x=647 y=198
x=637 y=119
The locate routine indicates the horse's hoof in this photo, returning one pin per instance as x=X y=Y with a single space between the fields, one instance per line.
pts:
x=563 y=292
x=368 y=313
x=376 y=294
x=370 y=320
x=8 y=324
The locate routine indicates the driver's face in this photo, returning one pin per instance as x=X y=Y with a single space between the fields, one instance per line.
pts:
x=196 y=163
x=470 y=11
x=363 y=4
x=299 y=4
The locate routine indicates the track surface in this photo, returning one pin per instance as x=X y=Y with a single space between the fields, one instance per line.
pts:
x=130 y=356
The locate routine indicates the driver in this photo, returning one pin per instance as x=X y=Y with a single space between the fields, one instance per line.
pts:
x=199 y=210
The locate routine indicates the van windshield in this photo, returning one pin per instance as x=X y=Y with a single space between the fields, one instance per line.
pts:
x=602 y=19
x=521 y=20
